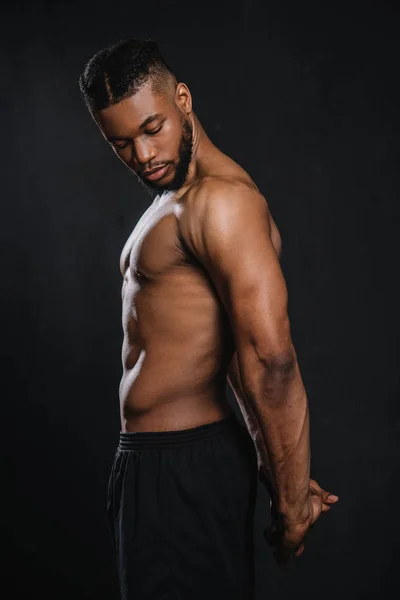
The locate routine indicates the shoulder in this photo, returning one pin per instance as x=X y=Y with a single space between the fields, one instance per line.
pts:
x=222 y=191
x=216 y=207
x=219 y=197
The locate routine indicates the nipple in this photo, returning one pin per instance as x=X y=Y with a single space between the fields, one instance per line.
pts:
x=139 y=274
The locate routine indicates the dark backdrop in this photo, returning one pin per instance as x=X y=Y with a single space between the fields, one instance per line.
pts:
x=304 y=96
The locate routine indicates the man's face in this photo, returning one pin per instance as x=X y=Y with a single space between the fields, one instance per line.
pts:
x=149 y=132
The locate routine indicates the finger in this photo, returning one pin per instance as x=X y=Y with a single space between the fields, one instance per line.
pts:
x=300 y=550
x=315 y=487
x=327 y=497
x=332 y=499
x=325 y=507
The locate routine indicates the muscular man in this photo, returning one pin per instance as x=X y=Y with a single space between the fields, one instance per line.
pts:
x=203 y=300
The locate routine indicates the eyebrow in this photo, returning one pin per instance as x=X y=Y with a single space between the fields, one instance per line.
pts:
x=148 y=120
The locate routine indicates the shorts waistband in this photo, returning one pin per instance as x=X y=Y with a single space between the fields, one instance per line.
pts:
x=165 y=439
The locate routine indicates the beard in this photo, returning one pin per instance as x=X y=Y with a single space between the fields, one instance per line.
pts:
x=181 y=165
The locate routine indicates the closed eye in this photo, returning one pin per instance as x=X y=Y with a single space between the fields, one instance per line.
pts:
x=154 y=131
x=125 y=145
x=120 y=146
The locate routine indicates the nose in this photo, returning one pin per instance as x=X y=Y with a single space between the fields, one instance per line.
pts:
x=144 y=152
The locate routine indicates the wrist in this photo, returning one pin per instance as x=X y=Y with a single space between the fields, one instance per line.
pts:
x=296 y=516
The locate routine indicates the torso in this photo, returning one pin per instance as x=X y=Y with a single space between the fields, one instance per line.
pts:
x=177 y=340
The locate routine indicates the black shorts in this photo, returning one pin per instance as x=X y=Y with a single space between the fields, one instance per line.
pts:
x=181 y=507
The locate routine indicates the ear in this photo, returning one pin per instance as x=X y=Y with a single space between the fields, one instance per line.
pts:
x=183 y=98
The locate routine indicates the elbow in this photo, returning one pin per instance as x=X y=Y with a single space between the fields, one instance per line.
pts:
x=280 y=374
x=268 y=375
x=280 y=367
x=284 y=361
x=274 y=349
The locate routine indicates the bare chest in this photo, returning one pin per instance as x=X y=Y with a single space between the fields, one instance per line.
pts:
x=149 y=248
x=153 y=246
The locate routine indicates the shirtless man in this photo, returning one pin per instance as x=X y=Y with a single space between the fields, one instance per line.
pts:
x=204 y=300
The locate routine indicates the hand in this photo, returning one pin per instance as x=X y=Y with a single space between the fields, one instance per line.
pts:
x=288 y=536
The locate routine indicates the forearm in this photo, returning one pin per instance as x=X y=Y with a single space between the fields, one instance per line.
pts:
x=279 y=413
x=249 y=417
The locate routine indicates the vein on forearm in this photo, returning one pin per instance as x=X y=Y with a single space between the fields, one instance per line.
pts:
x=248 y=413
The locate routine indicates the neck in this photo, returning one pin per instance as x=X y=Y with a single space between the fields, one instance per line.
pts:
x=202 y=148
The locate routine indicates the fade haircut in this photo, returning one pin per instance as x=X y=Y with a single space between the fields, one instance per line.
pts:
x=119 y=71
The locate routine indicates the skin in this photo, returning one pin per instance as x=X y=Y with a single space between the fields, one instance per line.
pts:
x=187 y=288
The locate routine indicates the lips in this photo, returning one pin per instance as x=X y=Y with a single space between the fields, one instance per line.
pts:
x=155 y=175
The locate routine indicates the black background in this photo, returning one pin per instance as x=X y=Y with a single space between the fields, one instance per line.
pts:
x=304 y=96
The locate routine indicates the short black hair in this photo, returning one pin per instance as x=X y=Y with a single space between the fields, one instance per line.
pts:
x=120 y=70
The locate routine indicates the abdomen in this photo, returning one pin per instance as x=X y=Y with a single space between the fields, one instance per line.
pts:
x=176 y=350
